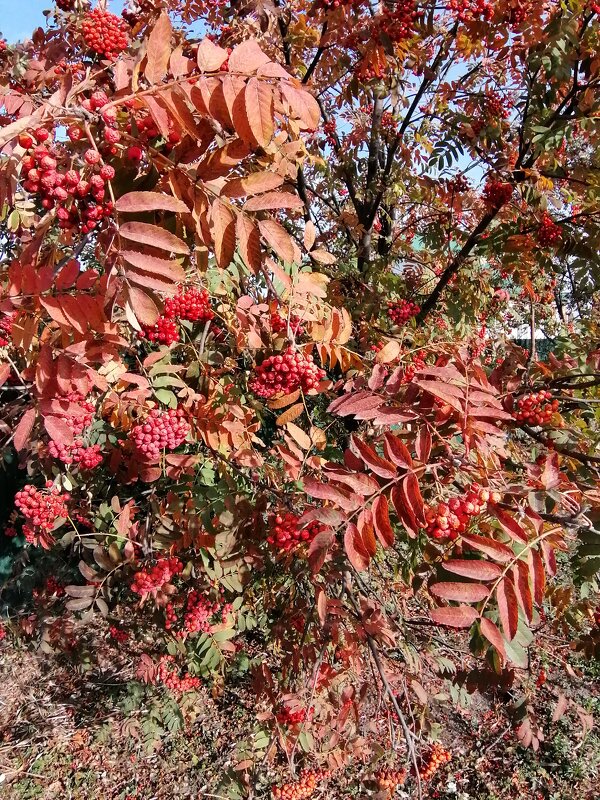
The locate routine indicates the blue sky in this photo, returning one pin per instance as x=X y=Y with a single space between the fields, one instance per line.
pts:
x=18 y=18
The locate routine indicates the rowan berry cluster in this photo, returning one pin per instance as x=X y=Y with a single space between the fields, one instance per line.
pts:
x=280 y=324
x=78 y=199
x=2 y=632
x=301 y=789
x=329 y=129
x=285 y=373
x=471 y=10
x=400 y=311
x=117 y=634
x=168 y=674
x=449 y=520
x=436 y=759
x=76 y=453
x=536 y=408
x=416 y=365
x=6 y=323
x=331 y=5
x=200 y=612
x=83 y=418
x=388 y=780
x=152 y=580
x=399 y=24
x=66 y=5
x=288 y=717
x=549 y=234
x=161 y=430
x=286 y=534
x=458 y=184
x=3 y=46
x=105 y=33
x=192 y=305
x=147 y=130
x=54 y=587
x=42 y=508
x=164 y=331
x=496 y=193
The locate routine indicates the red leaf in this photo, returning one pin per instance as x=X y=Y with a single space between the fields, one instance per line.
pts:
x=24 y=428
x=510 y=526
x=381 y=521
x=454 y=616
x=523 y=589
x=410 y=485
x=473 y=568
x=355 y=551
x=169 y=271
x=380 y=466
x=507 y=608
x=367 y=534
x=490 y=547
x=58 y=430
x=318 y=549
x=395 y=449
x=323 y=491
x=549 y=558
x=538 y=576
x=423 y=445
x=404 y=511
x=493 y=635
x=462 y=592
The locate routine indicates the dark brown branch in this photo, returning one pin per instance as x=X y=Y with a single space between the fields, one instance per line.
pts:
x=456 y=263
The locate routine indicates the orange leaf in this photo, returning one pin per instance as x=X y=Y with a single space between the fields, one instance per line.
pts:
x=290 y=414
x=159 y=49
x=273 y=201
x=278 y=238
x=255 y=183
x=303 y=106
x=248 y=237
x=210 y=56
x=154 y=236
x=223 y=229
x=247 y=57
x=143 y=306
x=134 y=202
x=259 y=107
x=301 y=438
x=282 y=402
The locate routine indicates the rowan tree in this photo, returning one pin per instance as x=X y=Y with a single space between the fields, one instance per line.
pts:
x=259 y=291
